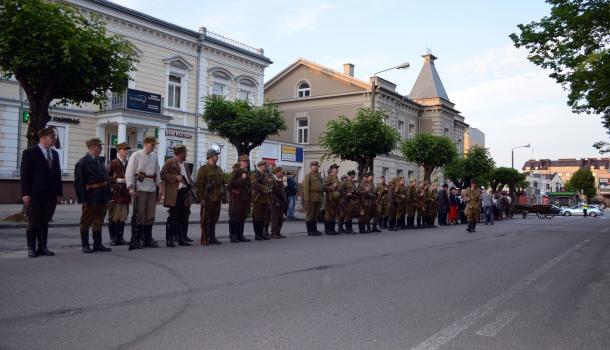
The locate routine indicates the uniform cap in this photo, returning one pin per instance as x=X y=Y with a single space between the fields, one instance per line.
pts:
x=244 y=158
x=277 y=169
x=351 y=172
x=46 y=132
x=315 y=162
x=150 y=139
x=236 y=166
x=211 y=152
x=123 y=145
x=179 y=149
x=262 y=162
x=93 y=142
x=333 y=167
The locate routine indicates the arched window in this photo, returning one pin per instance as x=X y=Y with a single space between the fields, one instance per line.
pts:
x=303 y=89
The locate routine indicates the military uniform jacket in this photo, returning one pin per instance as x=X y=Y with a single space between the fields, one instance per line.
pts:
x=365 y=194
x=401 y=195
x=116 y=172
x=170 y=170
x=331 y=185
x=261 y=193
x=412 y=196
x=278 y=195
x=239 y=188
x=210 y=183
x=312 y=188
x=472 y=198
x=382 y=194
x=346 y=187
x=89 y=171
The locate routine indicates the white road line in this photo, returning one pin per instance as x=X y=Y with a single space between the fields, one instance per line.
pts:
x=491 y=329
x=444 y=336
x=540 y=289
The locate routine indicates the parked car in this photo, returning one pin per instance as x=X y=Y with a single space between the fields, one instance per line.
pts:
x=592 y=210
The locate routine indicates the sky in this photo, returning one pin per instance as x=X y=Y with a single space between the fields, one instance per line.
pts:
x=491 y=82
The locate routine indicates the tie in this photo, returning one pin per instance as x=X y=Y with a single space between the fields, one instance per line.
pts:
x=49 y=159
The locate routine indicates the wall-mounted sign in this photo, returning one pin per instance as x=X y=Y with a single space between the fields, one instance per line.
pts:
x=65 y=120
x=143 y=101
x=292 y=154
x=179 y=133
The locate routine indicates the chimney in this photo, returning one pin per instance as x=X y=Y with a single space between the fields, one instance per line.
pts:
x=348 y=69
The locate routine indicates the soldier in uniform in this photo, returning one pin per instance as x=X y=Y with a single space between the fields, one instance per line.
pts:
x=210 y=192
x=279 y=203
x=41 y=188
x=331 y=187
x=93 y=192
x=373 y=213
x=391 y=207
x=411 y=204
x=472 y=199
x=432 y=204
x=178 y=188
x=261 y=199
x=347 y=202
x=312 y=197
x=365 y=194
x=267 y=223
x=382 y=203
x=239 y=200
x=118 y=208
x=421 y=205
x=401 y=202
x=143 y=178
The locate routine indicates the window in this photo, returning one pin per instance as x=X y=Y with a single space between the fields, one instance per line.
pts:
x=303 y=89
x=244 y=95
x=174 y=91
x=410 y=174
x=386 y=120
x=411 y=130
x=399 y=172
x=446 y=132
x=302 y=130
x=548 y=186
x=459 y=145
x=401 y=128
x=384 y=172
x=218 y=89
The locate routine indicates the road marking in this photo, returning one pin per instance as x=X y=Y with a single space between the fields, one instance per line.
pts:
x=543 y=287
x=500 y=322
x=444 y=336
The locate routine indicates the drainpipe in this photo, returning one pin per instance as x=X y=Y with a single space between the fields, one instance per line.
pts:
x=19 y=121
x=198 y=97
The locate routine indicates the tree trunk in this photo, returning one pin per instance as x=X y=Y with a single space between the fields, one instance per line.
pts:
x=39 y=117
x=428 y=172
x=361 y=168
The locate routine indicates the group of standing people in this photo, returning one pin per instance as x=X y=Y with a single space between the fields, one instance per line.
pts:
x=138 y=180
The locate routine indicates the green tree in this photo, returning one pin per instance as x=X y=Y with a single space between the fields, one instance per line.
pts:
x=574 y=43
x=58 y=54
x=582 y=181
x=502 y=176
x=429 y=151
x=241 y=123
x=475 y=164
x=360 y=139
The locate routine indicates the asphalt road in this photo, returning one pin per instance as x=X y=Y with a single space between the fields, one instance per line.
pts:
x=520 y=284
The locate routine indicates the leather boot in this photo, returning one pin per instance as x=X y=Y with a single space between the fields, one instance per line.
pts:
x=97 y=243
x=135 y=242
x=349 y=228
x=392 y=224
x=31 y=239
x=362 y=227
x=340 y=230
x=149 y=241
x=386 y=219
x=169 y=235
x=266 y=234
x=330 y=228
x=120 y=229
x=84 y=238
x=368 y=227
x=42 y=244
x=375 y=229
x=240 y=232
x=474 y=226
x=112 y=231
x=258 y=230
x=469 y=227
x=182 y=235
x=185 y=229
x=233 y=234
x=410 y=222
x=312 y=229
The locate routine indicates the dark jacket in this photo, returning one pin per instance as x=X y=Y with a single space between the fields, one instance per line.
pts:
x=37 y=179
x=116 y=170
x=291 y=187
x=90 y=171
x=443 y=201
x=278 y=196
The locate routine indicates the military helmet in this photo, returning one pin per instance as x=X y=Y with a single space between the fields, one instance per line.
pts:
x=211 y=152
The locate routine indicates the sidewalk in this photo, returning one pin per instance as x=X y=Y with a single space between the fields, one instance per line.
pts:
x=68 y=215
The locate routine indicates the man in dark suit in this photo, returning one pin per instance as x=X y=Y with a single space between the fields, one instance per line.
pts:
x=41 y=188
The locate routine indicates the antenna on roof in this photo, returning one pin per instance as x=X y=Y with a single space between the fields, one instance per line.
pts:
x=428 y=51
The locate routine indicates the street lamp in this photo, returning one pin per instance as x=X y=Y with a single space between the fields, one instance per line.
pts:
x=512 y=154
x=404 y=65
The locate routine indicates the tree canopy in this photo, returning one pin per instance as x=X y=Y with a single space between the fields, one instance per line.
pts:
x=574 y=43
x=429 y=151
x=503 y=176
x=475 y=164
x=241 y=123
x=56 y=53
x=360 y=139
x=582 y=181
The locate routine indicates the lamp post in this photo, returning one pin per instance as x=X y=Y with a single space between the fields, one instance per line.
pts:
x=374 y=81
x=512 y=154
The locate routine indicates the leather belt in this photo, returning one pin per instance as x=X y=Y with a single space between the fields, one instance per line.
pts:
x=149 y=176
x=95 y=185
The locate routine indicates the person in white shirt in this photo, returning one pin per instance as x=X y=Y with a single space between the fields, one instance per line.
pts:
x=143 y=178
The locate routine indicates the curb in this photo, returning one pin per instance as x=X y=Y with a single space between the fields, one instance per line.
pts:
x=24 y=225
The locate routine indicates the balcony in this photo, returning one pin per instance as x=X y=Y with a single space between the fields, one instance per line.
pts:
x=136 y=100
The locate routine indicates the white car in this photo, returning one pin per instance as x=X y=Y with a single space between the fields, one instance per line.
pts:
x=592 y=210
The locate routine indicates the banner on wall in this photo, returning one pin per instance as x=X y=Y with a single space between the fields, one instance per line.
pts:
x=292 y=153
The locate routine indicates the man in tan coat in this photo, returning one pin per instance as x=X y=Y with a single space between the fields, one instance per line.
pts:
x=312 y=197
x=472 y=198
x=331 y=212
x=177 y=179
x=279 y=203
